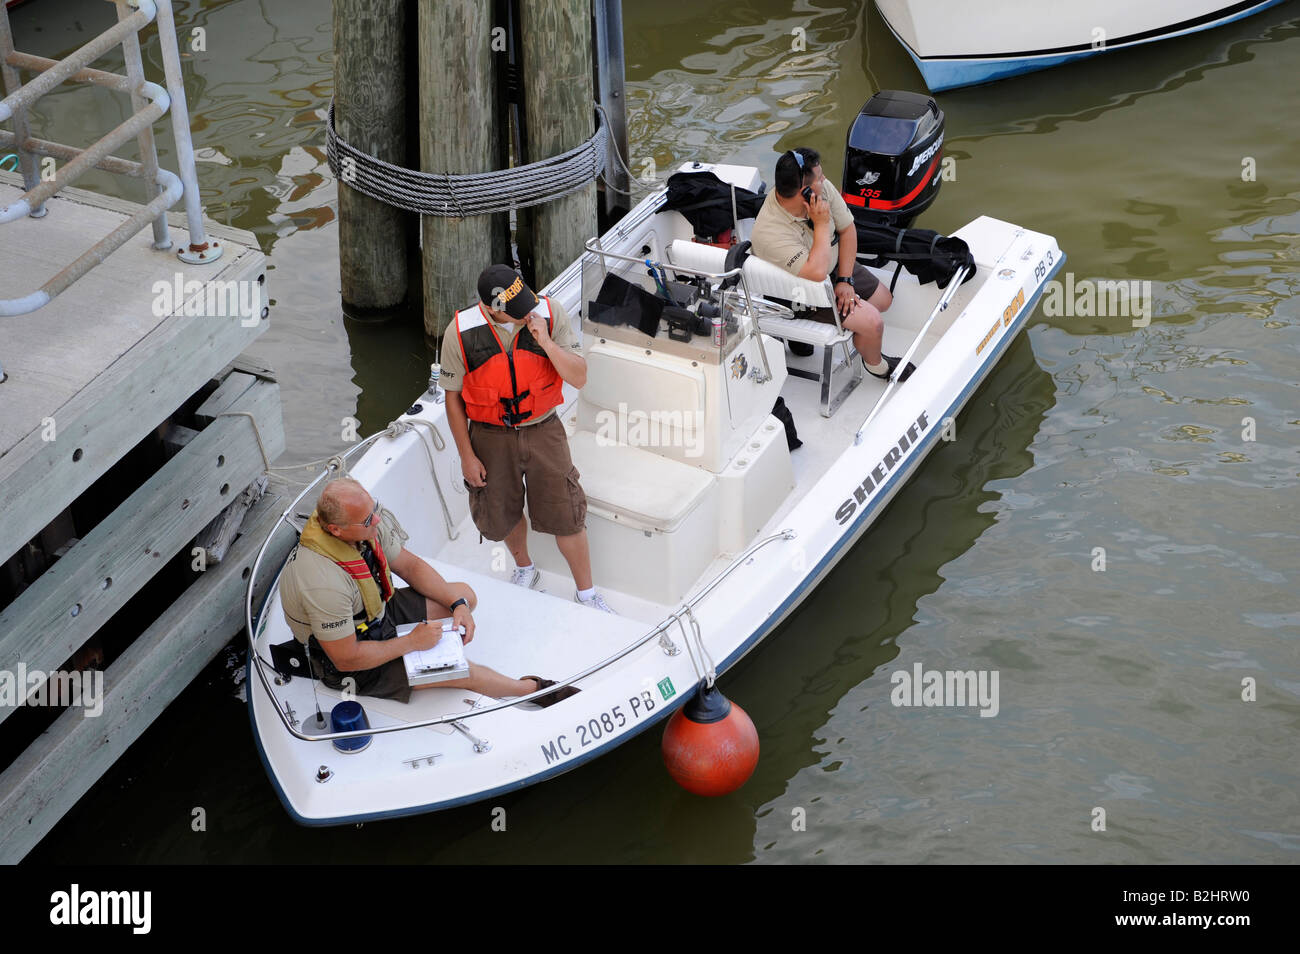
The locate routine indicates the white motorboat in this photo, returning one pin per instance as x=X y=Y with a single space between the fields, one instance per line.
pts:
x=706 y=530
x=960 y=43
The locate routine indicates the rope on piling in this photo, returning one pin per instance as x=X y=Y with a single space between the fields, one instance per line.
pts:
x=458 y=196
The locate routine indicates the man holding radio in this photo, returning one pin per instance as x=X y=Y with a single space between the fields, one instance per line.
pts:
x=504 y=361
x=801 y=222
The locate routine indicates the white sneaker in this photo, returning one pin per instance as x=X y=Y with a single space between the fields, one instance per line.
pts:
x=596 y=602
x=527 y=578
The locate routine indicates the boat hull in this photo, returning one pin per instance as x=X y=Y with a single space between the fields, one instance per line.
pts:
x=736 y=604
x=956 y=43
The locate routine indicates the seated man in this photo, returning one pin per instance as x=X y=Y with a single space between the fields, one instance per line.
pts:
x=338 y=598
x=801 y=220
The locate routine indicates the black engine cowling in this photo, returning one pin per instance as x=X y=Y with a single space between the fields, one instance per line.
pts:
x=892 y=158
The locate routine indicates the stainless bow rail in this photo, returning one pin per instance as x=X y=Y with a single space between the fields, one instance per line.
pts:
x=149 y=102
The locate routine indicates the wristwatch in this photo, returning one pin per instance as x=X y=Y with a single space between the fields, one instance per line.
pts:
x=847 y=279
x=460 y=602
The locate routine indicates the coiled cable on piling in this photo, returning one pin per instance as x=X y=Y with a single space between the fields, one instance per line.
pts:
x=458 y=196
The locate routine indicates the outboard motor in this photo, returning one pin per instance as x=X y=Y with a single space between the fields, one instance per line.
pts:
x=892 y=158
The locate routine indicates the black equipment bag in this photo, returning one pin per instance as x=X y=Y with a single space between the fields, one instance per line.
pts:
x=929 y=256
x=782 y=414
x=705 y=200
x=290 y=658
x=621 y=302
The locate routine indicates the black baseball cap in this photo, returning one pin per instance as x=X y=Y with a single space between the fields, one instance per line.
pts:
x=502 y=288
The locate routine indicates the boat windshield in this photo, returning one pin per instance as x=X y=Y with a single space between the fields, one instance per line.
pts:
x=654 y=304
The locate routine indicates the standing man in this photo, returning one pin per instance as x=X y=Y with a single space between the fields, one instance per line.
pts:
x=798 y=227
x=504 y=361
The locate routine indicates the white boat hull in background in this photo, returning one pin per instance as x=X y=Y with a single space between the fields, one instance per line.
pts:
x=965 y=42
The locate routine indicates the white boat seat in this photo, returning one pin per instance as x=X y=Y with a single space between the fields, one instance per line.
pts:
x=623 y=381
x=636 y=486
x=697 y=255
x=819 y=333
x=771 y=281
x=763 y=278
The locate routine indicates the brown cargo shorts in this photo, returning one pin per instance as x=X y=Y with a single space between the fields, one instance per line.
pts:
x=383 y=682
x=534 y=461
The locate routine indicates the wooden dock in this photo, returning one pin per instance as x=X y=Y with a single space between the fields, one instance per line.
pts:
x=128 y=423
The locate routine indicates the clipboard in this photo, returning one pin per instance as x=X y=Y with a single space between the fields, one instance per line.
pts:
x=444 y=662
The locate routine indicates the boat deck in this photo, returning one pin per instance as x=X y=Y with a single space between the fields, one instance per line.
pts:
x=824 y=440
x=548 y=649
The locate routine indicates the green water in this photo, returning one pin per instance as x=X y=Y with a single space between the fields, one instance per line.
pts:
x=1119 y=689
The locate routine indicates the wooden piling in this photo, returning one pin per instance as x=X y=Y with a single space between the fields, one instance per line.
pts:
x=370 y=82
x=460 y=129
x=558 y=96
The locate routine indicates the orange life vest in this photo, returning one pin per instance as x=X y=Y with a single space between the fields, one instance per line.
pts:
x=506 y=386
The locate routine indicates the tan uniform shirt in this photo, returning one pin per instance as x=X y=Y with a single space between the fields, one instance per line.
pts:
x=453 y=361
x=317 y=595
x=784 y=239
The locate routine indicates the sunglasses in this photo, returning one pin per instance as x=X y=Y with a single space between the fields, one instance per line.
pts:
x=797 y=158
x=369 y=520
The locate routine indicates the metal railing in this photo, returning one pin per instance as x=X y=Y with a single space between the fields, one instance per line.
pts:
x=149 y=103
x=941 y=305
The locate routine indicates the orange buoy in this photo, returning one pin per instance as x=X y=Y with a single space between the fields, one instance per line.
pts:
x=710 y=745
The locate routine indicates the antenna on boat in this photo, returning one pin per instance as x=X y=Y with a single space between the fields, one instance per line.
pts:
x=435 y=371
x=735 y=218
x=321 y=721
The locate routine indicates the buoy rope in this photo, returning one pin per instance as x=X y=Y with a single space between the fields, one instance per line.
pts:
x=711 y=667
x=458 y=196
x=705 y=668
x=699 y=672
